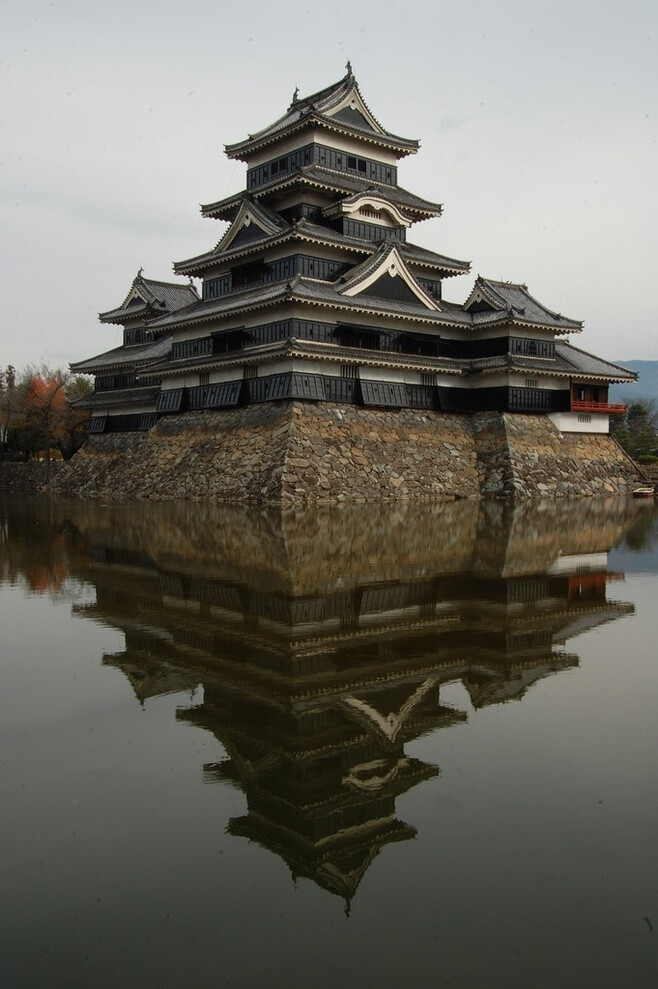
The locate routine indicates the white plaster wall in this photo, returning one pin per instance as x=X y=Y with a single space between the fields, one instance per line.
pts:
x=281 y=313
x=504 y=379
x=299 y=364
x=554 y=384
x=317 y=367
x=340 y=142
x=179 y=381
x=275 y=367
x=389 y=374
x=485 y=331
x=500 y=380
x=300 y=247
x=191 y=333
x=228 y=374
x=567 y=422
x=311 y=196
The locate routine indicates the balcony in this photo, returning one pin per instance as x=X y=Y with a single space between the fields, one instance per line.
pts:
x=608 y=407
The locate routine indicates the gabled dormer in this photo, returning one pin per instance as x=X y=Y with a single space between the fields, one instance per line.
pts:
x=484 y=299
x=253 y=223
x=511 y=301
x=369 y=215
x=146 y=301
x=385 y=275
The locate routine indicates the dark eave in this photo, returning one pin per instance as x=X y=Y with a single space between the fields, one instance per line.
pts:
x=312 y=292
x=583 y=364
x=245 y=150
x=120 y=396
x=120 y=316
x=327 y=180
x=305 y=231
x=122 y=357
x=509 y=317
x=314 y=351
x=568 y=360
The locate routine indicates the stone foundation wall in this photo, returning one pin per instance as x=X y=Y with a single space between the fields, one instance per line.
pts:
x=292 y=452
x=526 y=455
x=338 y=452
x=31 y=478
x=289 y=451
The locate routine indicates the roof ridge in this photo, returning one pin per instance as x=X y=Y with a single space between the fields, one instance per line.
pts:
x=372 y=261
x=155 y=281
x=299 y=102
x=502 y=281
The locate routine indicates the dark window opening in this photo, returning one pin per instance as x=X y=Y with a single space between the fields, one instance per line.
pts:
x=416 y=344
x=358 y=336
x=224 y=343
x=247 y=273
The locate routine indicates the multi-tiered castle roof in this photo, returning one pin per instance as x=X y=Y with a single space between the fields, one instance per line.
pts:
x=314 y=292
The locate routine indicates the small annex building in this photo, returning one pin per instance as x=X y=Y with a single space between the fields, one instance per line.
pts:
x=315 y=294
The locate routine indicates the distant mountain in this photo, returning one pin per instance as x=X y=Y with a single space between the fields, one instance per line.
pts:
x=646 y=386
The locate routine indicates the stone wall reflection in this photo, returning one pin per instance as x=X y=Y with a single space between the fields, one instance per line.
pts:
x=323 y=640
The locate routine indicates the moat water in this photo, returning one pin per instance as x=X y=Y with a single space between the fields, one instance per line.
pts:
x=363 y=747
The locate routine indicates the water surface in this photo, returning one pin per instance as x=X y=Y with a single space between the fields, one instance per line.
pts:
x=369 y=746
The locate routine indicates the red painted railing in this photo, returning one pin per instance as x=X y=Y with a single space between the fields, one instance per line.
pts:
x=577 y=406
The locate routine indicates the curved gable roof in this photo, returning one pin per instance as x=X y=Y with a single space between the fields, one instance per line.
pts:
x=339 y=106
x=147 y=298
x=490 y=299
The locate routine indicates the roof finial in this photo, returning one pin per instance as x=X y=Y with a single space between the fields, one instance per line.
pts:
x=349 y=68
x=295 y=95
x=139 y=273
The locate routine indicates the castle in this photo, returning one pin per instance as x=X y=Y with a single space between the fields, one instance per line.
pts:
x=314 y=296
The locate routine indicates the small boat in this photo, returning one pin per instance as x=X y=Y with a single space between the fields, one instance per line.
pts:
x=647 y=491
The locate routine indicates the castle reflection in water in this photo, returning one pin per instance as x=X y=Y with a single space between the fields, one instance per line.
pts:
x=322 y=640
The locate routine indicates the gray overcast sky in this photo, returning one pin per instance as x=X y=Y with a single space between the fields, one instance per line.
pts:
x=537 y=123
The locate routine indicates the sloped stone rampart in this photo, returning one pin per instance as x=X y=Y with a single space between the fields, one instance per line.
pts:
x=527 y=456
x=236 y=455
x=347 y=453
x=292 y=452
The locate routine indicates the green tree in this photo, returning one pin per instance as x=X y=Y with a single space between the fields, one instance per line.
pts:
x=636 y=429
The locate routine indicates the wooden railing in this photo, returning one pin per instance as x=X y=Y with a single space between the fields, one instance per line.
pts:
x=578 y=406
